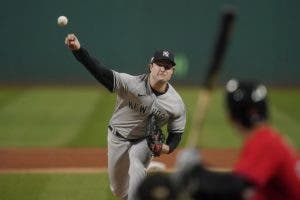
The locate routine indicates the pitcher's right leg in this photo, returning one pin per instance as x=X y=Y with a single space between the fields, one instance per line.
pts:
x=118 y=165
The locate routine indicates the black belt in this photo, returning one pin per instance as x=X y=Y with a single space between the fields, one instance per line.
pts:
x=116 y=133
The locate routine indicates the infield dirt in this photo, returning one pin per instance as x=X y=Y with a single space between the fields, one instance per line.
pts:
x=90 y=159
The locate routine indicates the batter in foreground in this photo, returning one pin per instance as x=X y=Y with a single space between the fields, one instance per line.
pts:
x=140 y=100
x=268 y=166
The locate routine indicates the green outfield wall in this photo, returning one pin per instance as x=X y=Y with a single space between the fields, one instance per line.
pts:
x=124 y=34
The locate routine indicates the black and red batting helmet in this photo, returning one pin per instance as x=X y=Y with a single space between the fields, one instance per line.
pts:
x=246 y=102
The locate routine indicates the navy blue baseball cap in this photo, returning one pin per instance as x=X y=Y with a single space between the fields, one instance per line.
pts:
x=163 y=55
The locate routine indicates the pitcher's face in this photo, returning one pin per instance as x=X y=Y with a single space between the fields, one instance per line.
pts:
x=161 y=71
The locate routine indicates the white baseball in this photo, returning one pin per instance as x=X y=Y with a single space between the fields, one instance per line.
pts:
x=62 y=20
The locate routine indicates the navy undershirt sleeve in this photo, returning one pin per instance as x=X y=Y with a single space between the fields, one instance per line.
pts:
x=173 y=141
x=97 y=69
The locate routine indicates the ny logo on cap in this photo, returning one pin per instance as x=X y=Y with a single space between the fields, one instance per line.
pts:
x=166 y=53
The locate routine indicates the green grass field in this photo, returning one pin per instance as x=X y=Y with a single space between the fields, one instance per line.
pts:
x=78 y=117
x=67 y=186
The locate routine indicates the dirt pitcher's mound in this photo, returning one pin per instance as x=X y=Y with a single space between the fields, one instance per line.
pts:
x=86 y=158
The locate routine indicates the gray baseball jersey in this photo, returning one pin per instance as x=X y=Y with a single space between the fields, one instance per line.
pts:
x=136 y=101
x=128 y=159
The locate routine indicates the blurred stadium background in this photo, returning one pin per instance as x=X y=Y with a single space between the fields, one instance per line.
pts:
x=47 y=99
x=125 y=34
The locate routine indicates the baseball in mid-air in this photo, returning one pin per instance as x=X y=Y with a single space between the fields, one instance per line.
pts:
x=62 y=20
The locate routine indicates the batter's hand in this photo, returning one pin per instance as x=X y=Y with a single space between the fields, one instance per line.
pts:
x=72 y=42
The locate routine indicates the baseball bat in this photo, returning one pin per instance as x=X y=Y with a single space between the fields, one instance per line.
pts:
x=228 y=16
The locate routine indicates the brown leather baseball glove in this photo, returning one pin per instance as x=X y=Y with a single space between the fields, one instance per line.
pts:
x=154 y=136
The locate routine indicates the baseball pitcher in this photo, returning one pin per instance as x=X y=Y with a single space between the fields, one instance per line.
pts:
x=144 y=104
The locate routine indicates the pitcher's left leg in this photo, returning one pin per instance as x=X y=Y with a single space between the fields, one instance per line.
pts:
x=140 y=156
